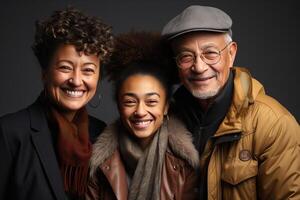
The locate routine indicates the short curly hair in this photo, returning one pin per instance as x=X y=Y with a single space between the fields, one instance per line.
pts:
x=71 y=26
x=139 y=52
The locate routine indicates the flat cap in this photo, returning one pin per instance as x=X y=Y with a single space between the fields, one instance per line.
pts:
x=198 y=18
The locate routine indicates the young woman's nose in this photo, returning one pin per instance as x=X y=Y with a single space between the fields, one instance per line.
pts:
x=140 y=110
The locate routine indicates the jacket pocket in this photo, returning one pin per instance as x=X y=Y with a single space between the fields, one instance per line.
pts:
x=236 y=171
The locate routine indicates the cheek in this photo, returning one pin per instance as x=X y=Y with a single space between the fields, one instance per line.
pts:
x=159 y=114
x=183 y=74
x=54 y=80
x=92 y=83
x=125 y=113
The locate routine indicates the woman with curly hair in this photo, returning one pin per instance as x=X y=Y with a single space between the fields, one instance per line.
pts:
x=143 y=155
x=46 y=148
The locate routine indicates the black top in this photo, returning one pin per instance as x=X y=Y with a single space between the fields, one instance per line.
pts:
x=203 y=124
x=29 y=168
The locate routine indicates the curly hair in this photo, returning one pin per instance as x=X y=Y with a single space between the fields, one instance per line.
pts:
x=140 y=53
x=71 y=26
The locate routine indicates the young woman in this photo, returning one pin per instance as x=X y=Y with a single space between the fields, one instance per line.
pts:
x=45 y=148
x=143 y=155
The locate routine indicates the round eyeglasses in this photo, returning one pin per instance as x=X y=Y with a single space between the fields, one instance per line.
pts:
x=210 y=56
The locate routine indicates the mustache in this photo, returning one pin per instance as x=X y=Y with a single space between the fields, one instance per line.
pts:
x=201 y=77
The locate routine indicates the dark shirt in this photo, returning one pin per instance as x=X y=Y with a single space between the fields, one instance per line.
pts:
x=203 y=124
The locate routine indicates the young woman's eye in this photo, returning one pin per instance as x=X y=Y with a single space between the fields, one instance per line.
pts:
x=129 y=103
x=152 y=102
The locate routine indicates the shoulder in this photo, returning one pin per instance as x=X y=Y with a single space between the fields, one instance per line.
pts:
x=14 y=118
x=275 y=129
x=96 y=127
x=180 y=142
x=271 y=113
x=19 y=120
x=15 y=130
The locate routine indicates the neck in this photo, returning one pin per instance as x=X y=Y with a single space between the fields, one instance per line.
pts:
x=69 y=115
x=144 y=142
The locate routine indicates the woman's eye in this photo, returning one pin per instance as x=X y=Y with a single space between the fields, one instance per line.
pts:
x=65 y=68
x=89 y=70
x=151 y=102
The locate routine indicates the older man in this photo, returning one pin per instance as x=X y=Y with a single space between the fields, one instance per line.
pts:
x=249 y=143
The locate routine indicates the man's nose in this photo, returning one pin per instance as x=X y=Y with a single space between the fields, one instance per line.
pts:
x=199 y=65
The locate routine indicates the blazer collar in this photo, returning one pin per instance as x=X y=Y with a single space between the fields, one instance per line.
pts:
x=42 y=140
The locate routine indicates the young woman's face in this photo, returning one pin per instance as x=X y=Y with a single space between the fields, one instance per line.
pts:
x=71 y=78
x=142 y=105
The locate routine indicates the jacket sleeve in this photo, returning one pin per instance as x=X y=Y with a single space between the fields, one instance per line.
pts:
x=5 y=166
x=279 y=159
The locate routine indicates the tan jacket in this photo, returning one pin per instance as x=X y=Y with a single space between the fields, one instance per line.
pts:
x=178 y=179
x=256 y=149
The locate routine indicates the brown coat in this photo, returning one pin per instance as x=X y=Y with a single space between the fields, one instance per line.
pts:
x=256 y=151
x=178 y=179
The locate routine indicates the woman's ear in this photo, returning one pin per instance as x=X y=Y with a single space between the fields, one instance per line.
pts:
x=166 y=109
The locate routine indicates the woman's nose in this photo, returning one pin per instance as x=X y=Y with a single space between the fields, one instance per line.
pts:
x=76 y=79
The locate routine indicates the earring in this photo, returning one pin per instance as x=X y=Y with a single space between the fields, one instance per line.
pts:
x=71 y=80
x=95 y=105
x=166 y=117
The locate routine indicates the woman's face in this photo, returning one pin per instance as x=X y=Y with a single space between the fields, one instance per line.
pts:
x=71 y=78
x=142 y=105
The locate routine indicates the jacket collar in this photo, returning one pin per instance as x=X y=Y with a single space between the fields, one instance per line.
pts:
x=246 y=90
x=42 y=141
x=179 y=139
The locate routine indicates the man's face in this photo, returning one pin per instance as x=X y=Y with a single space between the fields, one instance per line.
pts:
x=204 y=80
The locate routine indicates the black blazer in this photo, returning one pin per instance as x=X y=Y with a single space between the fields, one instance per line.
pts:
x=28 y=166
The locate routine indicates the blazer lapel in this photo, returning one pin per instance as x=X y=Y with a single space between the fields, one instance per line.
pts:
x=42 y=141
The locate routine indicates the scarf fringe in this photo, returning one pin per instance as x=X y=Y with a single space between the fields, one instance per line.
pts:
x=75 y=179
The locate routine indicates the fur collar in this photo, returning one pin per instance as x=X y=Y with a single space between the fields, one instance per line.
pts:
x=180 y=142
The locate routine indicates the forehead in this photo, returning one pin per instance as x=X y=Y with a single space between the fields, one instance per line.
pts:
x=68 y=51
x=198 y=39
x=142 y=84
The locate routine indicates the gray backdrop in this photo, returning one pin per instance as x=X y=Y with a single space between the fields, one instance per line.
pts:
x=266 y=32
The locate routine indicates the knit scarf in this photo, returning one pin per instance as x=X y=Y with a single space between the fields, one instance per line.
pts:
x=145 y=165
x=73 y=149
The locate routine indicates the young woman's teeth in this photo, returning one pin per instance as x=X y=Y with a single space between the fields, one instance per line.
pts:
x=142 y=122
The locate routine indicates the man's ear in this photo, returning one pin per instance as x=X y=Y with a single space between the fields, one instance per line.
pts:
x=232 y=52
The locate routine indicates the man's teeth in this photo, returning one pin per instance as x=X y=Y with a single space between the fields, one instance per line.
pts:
x=75 y=93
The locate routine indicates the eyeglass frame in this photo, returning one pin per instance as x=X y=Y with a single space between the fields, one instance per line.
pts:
x=195 y=57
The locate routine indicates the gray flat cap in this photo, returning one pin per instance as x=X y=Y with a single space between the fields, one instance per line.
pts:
x=198 y=18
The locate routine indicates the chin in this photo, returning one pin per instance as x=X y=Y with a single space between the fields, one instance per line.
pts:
x=204 y=95
x=142 y=135
x=67 y=106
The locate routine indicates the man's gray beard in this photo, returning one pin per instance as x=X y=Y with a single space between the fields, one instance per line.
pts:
x=205 y=95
